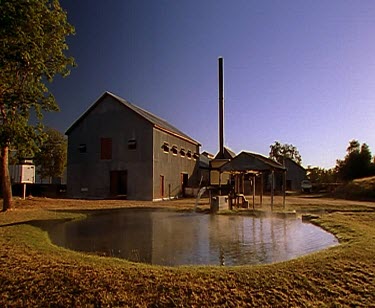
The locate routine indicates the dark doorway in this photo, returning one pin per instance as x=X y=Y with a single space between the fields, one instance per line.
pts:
x=162 y=186
x=288 y=184
x=184 y=182
x=119 y=182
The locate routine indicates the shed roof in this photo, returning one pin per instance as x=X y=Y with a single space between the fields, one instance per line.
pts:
x=251 y=162
x=148 y=116
x=204 y=161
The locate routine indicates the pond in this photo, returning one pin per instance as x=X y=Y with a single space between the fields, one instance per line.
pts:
x=180 y=238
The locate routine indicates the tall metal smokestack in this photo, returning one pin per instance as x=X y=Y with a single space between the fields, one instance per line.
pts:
x=221 y=108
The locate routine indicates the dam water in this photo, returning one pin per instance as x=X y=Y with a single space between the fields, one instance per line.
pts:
x=180 y=238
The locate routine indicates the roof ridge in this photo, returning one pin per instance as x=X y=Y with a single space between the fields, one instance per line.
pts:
x=135 y=106
x=152 y=118
x=263 y=157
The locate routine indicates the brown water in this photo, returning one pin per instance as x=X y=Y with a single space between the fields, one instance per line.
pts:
x=174 y=238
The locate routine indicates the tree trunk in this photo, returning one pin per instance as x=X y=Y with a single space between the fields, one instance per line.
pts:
x=5 y=179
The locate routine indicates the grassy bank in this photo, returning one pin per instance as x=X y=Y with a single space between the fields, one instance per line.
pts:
x=359 y=189
x=34 y=272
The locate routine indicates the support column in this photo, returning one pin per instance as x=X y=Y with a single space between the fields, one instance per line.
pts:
x=24 y=191
x=254 y=192
x=272 y=187
x=261 y=188
x=219 y=183
x=243 y=183
x=284 y=188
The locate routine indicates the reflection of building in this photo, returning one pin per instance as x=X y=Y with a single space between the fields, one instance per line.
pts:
x=180 y=239
x=170 y=238
x=124 y=234
x=118 y=149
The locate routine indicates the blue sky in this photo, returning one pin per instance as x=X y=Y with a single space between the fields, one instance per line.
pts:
x=299 y=72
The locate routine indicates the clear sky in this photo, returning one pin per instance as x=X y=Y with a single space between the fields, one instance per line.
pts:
x=300 y=72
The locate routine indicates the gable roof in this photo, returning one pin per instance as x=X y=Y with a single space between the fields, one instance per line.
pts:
x=251 y=162
x=291 y=161
x=148 y=116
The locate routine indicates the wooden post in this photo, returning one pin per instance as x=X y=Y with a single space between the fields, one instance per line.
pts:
x=261 y=188
x=250 y=185
x=254 y=192
x=243 y=183
x=219 y=183
x=24 y=191
x=236 y=189
x=272 y=187
x=284 y=188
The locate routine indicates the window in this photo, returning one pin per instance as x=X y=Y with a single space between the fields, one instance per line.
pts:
x=106 y=148
x=82 y=148
x=188 y=154
x=165 y=147
x=132 y=144
x=174 y=150
x=182 y=152
x=195 y=156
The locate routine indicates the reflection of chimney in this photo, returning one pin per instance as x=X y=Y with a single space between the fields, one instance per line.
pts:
x=221 y=108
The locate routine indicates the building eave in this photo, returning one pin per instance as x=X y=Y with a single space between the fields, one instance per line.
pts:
x=177 y=135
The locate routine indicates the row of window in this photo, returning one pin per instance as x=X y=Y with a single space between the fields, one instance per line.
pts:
x=106 y=147
x=174 y=150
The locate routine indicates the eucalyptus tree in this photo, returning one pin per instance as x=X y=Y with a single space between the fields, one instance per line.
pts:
x=51 y=157
x=32 y=51
x=279 y=152
x=357 y=162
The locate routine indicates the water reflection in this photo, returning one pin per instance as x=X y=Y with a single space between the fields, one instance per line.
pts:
x=170 y=238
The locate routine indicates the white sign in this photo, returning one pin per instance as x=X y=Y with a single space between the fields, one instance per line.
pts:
x=22 y=174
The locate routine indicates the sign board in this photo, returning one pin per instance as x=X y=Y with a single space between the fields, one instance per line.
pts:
x=24 y=174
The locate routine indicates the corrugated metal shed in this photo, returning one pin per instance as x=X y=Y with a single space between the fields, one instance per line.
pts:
x=251 y=162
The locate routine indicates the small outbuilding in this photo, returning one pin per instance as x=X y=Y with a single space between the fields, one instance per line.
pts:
x=252 y=166
x=295 y=175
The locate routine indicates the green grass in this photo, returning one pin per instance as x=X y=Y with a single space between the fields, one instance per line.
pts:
x=34 y=272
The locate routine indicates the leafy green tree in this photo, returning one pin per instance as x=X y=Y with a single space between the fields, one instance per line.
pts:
x=279 y=152
x=357 y=162
x=51 y=158
x=32 y=51
x=322 y=176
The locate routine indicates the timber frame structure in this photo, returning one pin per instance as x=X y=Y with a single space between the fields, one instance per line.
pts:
x=252 y=165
